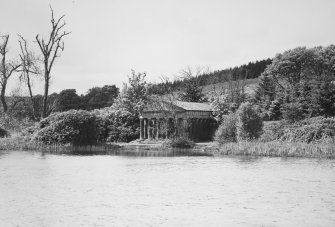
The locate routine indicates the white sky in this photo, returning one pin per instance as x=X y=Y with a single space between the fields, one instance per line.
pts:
x=161 y=37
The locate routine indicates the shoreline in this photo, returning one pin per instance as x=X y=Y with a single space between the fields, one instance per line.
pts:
x=257 y=149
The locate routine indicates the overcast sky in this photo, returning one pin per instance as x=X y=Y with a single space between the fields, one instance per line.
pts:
x=109 y=37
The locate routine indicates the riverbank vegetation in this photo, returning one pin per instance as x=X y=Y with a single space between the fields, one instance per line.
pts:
x=295 y=101
x=178 y=142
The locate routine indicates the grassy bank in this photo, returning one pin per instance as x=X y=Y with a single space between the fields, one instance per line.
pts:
x=275 y=149
x=17 y=143
x=268 y=149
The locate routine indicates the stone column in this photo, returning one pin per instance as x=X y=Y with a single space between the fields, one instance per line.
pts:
x=198 y=129
x=145 y=120
x=166 y=121
x=192 y=127
x=141 y=129
x=157 y=128
x=179 y=126
x=202 y=129
x=149 y=129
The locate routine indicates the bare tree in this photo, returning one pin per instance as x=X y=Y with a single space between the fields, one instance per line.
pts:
x=6 y=70
x=50 y=49
x=29 y=67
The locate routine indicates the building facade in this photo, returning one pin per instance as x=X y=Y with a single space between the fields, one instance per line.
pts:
x=162 y=119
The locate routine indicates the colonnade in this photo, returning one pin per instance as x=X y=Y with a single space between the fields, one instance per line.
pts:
x=198 y=129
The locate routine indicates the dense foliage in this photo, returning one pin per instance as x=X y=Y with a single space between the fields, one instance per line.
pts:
x=192 y=91
x=309 y=130
x=116 y=124
x=179 y=142
x=3 y=133
x=249 y=123
x=99 y=97
x=302 y=82
x=76 y=127
x=67 y=100
x=244 y=124
x=226 y=132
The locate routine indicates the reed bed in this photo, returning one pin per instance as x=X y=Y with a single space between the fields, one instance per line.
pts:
x=275 y=149
x=73 y=149
x=21 y=143
x=17 y=143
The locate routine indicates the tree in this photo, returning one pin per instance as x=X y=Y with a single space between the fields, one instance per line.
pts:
x=305 y=78
x=249 y=124
x=50 y=49
x=6 y=70
x=127 y=107
x=100 y=97
x=191 y=90
x=29 y=66
x=134 y=94
x=67 y=100
x=265 y=89
x=227 y=99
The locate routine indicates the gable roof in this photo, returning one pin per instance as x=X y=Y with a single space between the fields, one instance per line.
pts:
x=158 y=106
x=193 y=106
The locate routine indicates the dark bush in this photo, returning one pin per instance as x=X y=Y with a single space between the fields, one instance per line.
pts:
x=227 y=130
x=77 y=127
x=249 y=123
x=4 y=133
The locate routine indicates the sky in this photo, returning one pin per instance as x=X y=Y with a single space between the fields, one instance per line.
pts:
x=162 y=37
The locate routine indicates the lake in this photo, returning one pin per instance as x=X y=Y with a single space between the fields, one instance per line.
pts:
x=39 y=189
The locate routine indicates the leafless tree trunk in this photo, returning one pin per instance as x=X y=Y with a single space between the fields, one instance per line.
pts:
x=29 y=66
x=6 y=71
x=50 y=49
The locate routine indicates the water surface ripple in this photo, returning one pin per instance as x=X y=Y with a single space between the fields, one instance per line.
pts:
x=59 y=190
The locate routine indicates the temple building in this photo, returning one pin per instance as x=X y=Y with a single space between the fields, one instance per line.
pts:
x=163 y=119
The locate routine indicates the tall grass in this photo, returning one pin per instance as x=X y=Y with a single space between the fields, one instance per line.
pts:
x=325 y=149
x=16 y=142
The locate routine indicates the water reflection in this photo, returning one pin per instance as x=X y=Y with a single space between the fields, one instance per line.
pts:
x=141 y=153
x=247 y=159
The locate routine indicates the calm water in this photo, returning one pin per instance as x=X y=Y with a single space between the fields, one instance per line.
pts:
x=60 y=190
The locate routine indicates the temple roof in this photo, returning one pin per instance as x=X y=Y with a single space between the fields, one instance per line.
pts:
x=157 y=106
x=194 y=106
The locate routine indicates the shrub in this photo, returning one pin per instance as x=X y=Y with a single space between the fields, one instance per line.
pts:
x=227 y=130
x=4 y=133
x=249 y=123
x=77 y=127
x=310 y=130
x=272 y=130
x=116 y=124
x=179 y=142
x=13 y=124
x=293 y=112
